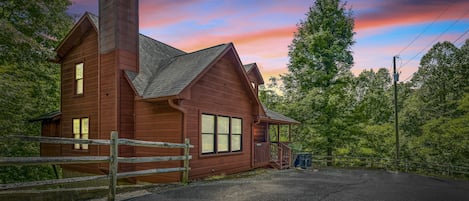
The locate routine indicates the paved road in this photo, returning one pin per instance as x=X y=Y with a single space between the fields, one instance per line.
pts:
x=325 y=184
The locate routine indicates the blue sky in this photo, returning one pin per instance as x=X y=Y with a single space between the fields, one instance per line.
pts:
x=262 y=30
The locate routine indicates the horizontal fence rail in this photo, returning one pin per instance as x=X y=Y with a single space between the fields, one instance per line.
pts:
x=387 y=163
x=58 y=140
x=52 y=160
x=113 y=160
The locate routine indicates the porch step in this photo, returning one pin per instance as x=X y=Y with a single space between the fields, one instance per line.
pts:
x=277 y=165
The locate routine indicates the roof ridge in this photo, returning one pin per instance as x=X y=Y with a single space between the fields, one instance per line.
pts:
x=219 y=45
x=90 y=13
x=148 y=37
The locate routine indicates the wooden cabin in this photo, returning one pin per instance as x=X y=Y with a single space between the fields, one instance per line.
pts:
x=115 y=79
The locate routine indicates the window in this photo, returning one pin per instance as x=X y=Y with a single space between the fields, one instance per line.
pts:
x=79 y=78
x=236 y=132
x=221 y=134
x=208 y=133
x=80 y=131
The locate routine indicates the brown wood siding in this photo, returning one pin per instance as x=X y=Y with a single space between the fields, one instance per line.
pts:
x=50 y=129
x=157 y=121
x=86 y=105
x=260 y=132
x=252 y=77
x=220 y=91
x=126 y=121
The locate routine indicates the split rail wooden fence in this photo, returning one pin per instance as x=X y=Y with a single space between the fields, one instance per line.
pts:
x=113 y=159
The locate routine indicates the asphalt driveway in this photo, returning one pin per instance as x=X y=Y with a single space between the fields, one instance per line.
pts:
x=325 y=184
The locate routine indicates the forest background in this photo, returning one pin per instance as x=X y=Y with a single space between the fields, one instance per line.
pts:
x=340 y=114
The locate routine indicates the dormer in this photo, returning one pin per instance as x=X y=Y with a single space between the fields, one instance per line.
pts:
x=254 y=75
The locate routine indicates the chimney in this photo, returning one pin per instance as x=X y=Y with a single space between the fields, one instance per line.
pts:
x=118 y=31
x=118 y=52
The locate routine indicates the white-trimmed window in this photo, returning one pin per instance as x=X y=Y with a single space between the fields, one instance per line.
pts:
x=208 y=133
x=79 y=74
x=236 y=133
x=221 y=134
x=80 y=131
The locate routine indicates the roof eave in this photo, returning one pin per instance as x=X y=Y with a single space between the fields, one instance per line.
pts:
x=157 y=99
x=276 y=121
x=81 y=22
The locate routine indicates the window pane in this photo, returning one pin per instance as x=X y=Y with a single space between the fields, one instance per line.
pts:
x=208 y=123
x=236 y=126
x=223 y=125
x=84 y=136
x=222 y=143
x=76 y=136
x=80 y=86
x=84 y=125
x=235 y=142
x=207 y=143
x=76 y=126
x=79 y=71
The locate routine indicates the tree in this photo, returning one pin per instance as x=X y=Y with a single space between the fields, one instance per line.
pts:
x=317 y=85
x=373 y=97
x=435 y=116
x=320 y=51
x=28 y=81
x=445 y=140
x=435 y=79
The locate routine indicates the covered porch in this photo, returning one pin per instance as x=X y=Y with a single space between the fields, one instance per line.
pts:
x=272 y=136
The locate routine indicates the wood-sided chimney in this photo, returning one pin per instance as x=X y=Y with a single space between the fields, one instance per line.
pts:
x=118 y=52
x=118 y=31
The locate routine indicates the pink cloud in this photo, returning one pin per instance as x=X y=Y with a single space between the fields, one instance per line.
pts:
x=393 y=13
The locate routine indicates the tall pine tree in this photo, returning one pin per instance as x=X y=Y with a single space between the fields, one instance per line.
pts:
x=318 y=82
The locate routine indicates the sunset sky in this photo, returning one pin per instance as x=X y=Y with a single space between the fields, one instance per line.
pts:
x=261 y=30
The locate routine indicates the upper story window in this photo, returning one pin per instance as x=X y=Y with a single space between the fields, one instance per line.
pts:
x=221 y=134
x=79 y=79
x=80 y=131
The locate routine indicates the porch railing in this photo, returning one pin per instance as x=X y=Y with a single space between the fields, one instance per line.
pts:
x=281 y=154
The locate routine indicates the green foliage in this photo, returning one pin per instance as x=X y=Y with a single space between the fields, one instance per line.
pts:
x=28 y=81
x=377 y=141
x=439 y=80
x=346 y=115
x=320 y=51
x=373 y=97
x=318 y=85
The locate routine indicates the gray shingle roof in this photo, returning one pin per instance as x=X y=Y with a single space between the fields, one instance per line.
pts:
x=48 y=116
x=152 y=56
x=248 y=67
x=174 y=76
x=165 y=70
x=278 y=117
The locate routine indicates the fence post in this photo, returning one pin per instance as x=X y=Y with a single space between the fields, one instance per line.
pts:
x=185 y=175
x=113 y=153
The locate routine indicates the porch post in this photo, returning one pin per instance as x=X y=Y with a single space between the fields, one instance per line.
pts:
x=278 y=132
x=289 y=132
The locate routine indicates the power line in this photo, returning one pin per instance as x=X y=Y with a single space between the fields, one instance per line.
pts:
x=408 y=77
x=454 y=42
x=433 y=41
x=425 y=29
